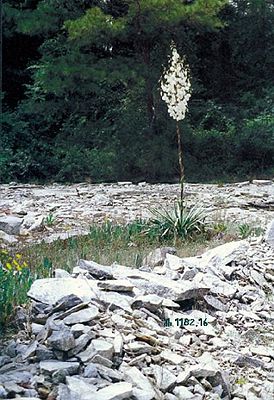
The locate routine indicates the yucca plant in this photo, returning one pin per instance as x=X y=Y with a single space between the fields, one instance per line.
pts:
x=49 y=220
x=180 y=222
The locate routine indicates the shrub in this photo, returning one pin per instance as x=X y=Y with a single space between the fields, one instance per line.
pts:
x=77 y=164
x=255 y=144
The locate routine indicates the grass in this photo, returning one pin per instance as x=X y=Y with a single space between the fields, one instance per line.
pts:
x=109 y=243
x=246 y=230
x=104 y=245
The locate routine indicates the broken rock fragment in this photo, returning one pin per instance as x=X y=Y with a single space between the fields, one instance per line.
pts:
x=158 y=256
x=51 y=290
x=96 y=270
x=10 y=224
x=165 y=379
x=116 y=391
x=269 y=234
x=118 y=285
x=61 y=340
x=142 y=387
x=49 y=367
x=85 y=315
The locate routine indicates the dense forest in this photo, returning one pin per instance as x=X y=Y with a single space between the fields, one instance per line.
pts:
x=81 y=98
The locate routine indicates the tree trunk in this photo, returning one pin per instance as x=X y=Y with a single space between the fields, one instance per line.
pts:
x=181 y=163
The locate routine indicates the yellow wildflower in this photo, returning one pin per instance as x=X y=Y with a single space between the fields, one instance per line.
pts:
x=24 y=264
x=18 y=256
x=15 y=263
x=9 y=266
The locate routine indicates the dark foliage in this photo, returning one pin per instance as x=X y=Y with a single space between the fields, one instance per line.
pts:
x=81 y=93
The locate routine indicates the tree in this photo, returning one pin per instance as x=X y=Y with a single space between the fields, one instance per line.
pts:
x=141 y=34
x=175 y=86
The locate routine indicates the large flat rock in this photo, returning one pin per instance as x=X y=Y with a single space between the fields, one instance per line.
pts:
x=51 y=366
x=116 y=391
x=219 y=256
x=50 y=290
x=151 y=283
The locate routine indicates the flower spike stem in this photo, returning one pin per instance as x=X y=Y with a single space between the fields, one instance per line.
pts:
x=181 y=163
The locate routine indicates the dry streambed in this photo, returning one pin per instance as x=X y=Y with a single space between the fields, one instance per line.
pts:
x=30 y=213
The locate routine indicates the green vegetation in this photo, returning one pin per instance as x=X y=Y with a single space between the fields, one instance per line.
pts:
x=49 y=220
x=241 y=381
x=219 y=228
x=179 y=223
x=246 y=230
x=82 y=99
x=16 y=277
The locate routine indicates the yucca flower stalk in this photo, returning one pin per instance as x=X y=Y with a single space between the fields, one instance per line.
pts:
x=176 y=92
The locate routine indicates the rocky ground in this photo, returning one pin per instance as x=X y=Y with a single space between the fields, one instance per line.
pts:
x=30 y=212
x=197 y=328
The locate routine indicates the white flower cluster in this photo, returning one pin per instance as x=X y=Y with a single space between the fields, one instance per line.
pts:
x=175 y=86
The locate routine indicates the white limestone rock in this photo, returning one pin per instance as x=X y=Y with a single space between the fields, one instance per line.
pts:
x=142 y=387
x=219 y=256
x=51 y=366
x=157 y=257
x=6 y=238
x=98 y=347
x=85 y=315
x=172 y=357
x=165 y=379
x=116 y=391
x=61 y=340
x=50 y=290
x=101 y=200
x=175 y=263
x=269 y=234
x=150 y=283
x=78 y=388
x=119 y=285
x=182 y=393
x=96 y=270
x=61 y=273
x=10 y=224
